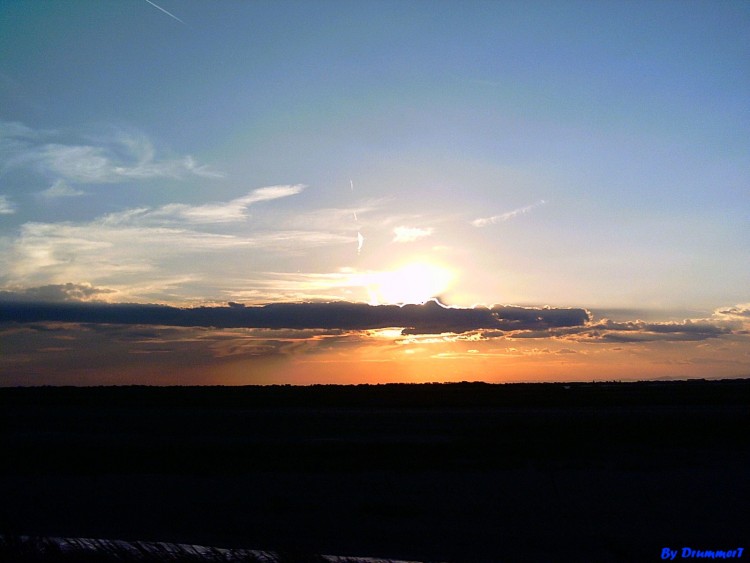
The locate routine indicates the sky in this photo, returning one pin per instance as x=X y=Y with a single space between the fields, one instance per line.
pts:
x=231 y=192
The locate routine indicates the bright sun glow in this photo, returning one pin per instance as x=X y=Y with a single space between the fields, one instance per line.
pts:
x=415 y=282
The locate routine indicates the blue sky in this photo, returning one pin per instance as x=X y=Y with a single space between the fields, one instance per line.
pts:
x=570 y=154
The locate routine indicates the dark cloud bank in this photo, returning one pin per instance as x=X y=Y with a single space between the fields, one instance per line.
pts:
x=54 y=293
x=428 y=318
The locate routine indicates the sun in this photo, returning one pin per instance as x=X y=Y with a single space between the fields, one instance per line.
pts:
x=414 y=282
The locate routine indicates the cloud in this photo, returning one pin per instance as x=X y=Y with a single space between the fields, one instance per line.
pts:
x=60 y=189
x=94 y=164
x=736 y=312
x=688 y=330
x=51 y=252
x=15 y=131
x=428 y=318
x=143 y=251
x=410 y=234
x=234 y=210
x=84 y=164
x=608 y=331
x=57 y=353
x=115 y=157
x=220 y=212
x=6 y=206
x=54 y=293
x=484 y=221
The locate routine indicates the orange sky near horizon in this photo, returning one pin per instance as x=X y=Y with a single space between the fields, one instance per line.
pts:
x=72 y=354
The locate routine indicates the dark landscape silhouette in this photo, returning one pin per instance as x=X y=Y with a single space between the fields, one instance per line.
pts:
x=435 y=472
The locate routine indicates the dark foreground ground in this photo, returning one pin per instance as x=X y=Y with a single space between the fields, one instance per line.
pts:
x=453 y=472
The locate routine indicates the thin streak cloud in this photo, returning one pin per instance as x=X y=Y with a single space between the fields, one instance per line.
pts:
x=234 y=210
x=360 y=237
x=484 y=221
x=171 y=15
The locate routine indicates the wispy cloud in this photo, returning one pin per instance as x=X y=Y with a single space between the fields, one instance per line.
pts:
x=94 y=164
x=16 y=130
x=97 y=251
x=220 y=212
x=157 y=252
x=234 y=210
x=114 y=157
x=484 y=221
x=154 y=259
x=59 y=189
x=410 y=234
x=6 y=206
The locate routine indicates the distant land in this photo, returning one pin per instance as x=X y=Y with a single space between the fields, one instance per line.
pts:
x=455 y=472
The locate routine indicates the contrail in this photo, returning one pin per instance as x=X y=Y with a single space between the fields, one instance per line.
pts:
x=484 y=221
x=168 y=13
x=360 y=238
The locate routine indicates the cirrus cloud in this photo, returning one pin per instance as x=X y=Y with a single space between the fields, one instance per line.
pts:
x=6 y=206
x=155 y=247
x=114 y=157
x=60 y=189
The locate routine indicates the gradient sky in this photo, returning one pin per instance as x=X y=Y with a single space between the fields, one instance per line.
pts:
x=587 y=155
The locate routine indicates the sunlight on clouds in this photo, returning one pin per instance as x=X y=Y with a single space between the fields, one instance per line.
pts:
x=410 y=234
x=414 y=282
x=267 y=287
x=442 y=338
x=393 y=334
x=58 y=253
x=138 y=247
x=738 y=313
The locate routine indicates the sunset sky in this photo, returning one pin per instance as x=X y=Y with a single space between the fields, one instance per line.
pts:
x=570 y=180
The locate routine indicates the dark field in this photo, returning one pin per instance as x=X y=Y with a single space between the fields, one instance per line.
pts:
x=452 y=472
